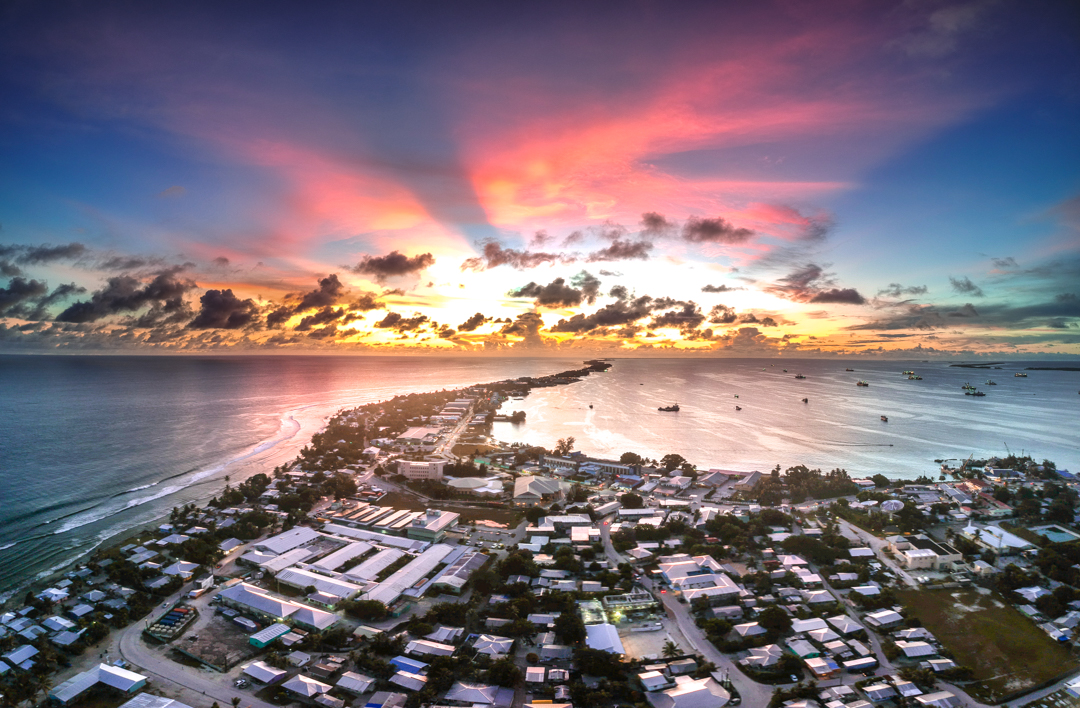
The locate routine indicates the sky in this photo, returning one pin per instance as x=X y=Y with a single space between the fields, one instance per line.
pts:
x=874 y=178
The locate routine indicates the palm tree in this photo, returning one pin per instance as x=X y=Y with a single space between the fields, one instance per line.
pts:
x=235 y=701
x=671 y=649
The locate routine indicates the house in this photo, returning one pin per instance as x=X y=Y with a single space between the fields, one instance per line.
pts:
x=1033 y=593
x=808 y=625
x=556 y=652
x=471 y=694
x=688 y=693
x=412 y=682
x=424 y=647
x=884 y=619
x=263 y=673
x=354 y=683
x=305 y=687
x=749 y=629
x=940 y=699
x=653 y=680
x=763 y=657
x=822 y=668
x=879 y=692
x=844 y=624
x=492 y=645
x=534 y=674
x=916 y=650
x=531 y=490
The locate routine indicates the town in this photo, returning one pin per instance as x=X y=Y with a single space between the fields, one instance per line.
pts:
x=407 y=558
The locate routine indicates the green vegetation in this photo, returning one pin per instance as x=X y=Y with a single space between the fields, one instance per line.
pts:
x=1006 y=651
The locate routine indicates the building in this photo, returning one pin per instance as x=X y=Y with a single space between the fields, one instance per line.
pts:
x=697 y=576
x=121 y=680
x=389 y=590
x=286 y=541
x=996 y=539
x=457 y=574
x=255 y=601
x=426 y=470
x=604 y=637
x=432 y=526
x=149 y=700
x=688 y=693
x=531 y=491
x=921 y=552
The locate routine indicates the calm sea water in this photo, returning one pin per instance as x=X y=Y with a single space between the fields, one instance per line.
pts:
x=93 y=446
x=840 y=426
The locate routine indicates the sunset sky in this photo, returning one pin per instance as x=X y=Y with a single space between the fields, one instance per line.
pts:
x=730 y=178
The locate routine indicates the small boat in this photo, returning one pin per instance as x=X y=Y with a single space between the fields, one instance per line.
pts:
x=799 y=376
x=990 y=382
x=914 y=378
x=974 y=393
x=861 y=383
x=785 y=371
x=590 y=405
x=968 y=387
x=669 y=409
x=806 y=400
x=738 y=408
x=736 y=395
x=849 y=369
x=884 y=419
x=908 y=373
x=1020 y=375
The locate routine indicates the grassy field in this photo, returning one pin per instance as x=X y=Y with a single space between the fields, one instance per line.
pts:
x=1005 y=649
x=404 y=500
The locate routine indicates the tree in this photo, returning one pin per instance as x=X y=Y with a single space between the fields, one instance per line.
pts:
x=504 y=673
x=775 y=620
x=564 y=446
x=880 y=481
x=235 y=701
x=671 y=649
x=631 y=501
x=671 y=461
x=630 y=458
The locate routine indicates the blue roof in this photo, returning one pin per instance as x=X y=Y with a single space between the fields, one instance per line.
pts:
x=1065 y=474
x=404 y=663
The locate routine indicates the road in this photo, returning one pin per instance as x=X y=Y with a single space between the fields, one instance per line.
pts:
x=878 y=545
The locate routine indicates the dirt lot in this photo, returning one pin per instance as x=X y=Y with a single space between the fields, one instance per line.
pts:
x=1005 y=649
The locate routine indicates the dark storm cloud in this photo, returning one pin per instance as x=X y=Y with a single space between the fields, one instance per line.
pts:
x=494 y=255
x=33 y=255
x=687 y=318
x=572 y=239
x=398 y=323
x=654 y=224
x=125 y=293
x=616 y=314
x=527 y=325
x=322 y=317
x=1065 y=297
x=220 y=309
x=718 y=230
x=810 y=283
x=751 y=318
x=619 y=292
x=722 y=314
x=19 y=293
x=965 y=286
x=588 y=284
x=329 y=292
x=898 y=290
x=719 y=289
x=473 y=323
x=366 y=302
x=848 y=296
x=621 y=250
x=555 y=294
x=9 y=269
x=393 y=264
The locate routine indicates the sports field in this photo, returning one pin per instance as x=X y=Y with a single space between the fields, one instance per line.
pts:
x=1006 y=650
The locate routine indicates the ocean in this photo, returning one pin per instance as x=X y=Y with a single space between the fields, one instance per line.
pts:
x=95 y=445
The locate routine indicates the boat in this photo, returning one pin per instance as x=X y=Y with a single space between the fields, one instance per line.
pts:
x=914 y=378
x=806 y=400
x=669 y=409
x=738 y=408
x=1020 y=375
x=799 y=376
x=849 y=369
x=908 y=373
x=990 y=382
x=861 y=383
x=785 y=371
x=974 y=393
x=884 y=419
x=590 y=405
x=968 y=387
x=736 y=395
